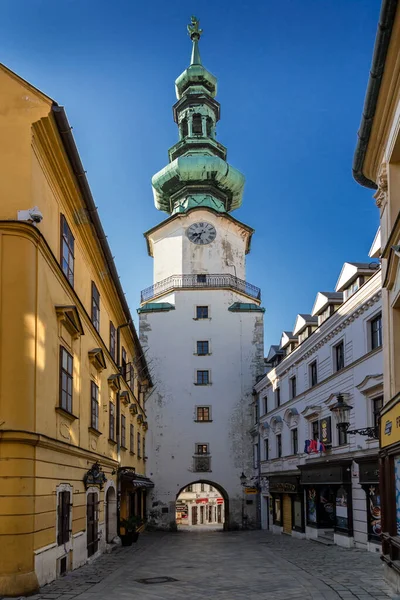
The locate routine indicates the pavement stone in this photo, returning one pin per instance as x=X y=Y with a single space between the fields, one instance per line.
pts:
x=254 y=565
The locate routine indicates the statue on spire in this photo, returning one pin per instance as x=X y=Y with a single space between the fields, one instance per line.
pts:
x=194 y=30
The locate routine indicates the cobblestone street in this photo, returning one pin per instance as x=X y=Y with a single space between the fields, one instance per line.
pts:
x=230 y=566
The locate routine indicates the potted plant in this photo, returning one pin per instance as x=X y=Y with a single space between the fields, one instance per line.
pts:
x=131 y=526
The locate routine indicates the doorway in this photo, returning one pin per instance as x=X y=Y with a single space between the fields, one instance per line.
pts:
x=92 y=523
x=201 y=506
x=111 y=515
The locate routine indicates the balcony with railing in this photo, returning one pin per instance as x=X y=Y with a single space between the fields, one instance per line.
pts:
x=201 y=281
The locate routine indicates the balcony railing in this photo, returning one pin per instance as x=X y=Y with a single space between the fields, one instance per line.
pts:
x=199 y=281
x=201 y=464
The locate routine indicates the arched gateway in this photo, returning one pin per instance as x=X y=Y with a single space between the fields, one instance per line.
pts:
x=202 y=504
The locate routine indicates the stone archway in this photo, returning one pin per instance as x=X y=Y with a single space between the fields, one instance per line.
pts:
x=111 y=514
x=225 y=520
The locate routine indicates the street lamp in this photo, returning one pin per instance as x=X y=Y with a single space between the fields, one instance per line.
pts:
x=243 y=479
x=342 y=413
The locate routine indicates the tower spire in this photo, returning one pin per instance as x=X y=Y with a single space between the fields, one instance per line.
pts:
x=195 y=32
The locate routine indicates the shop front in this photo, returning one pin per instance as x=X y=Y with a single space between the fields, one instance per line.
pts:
x=287 y=504
x=329 y=501
x=133 y=493
x=389 y=472
x=369 y=481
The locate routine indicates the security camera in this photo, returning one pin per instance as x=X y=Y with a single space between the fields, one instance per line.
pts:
x=35 y=214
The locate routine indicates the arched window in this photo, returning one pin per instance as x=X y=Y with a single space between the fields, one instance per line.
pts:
x=184 y=128
x=197 y=128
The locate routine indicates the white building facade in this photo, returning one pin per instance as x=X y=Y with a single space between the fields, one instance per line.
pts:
x=200 y=504
x=201 y=323
x=318 y=480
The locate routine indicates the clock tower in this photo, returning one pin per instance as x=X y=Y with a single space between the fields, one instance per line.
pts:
x=201 y=322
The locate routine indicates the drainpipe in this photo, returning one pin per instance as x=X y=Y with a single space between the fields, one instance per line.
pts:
x=118 y=416
x=259 y=480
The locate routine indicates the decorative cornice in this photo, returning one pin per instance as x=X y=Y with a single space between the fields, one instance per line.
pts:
x=381 y=193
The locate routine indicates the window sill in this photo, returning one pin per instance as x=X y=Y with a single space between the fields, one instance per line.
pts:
x=202 y=384
x=205 y=319
x=203 y=421
x=111 y=441
x=131 y=453
x=123 y=447
x=94 y=431
x=66 y=413
x=205 y=354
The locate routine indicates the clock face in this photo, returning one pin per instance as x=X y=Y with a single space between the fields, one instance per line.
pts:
x=201 y=233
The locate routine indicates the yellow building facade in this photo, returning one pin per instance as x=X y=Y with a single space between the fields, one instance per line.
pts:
x=377 y=166
x=73 y=378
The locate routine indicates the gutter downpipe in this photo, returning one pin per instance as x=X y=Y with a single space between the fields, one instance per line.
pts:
x=382 y=41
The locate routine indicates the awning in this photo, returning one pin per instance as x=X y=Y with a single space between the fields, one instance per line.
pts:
x=137 y=481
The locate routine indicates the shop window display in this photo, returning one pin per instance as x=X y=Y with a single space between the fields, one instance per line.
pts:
x=342 y=519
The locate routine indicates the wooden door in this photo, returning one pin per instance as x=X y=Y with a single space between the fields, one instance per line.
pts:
x=287 y=514
x=194 y=515
x=92 y=524
x=219 y=513
x=202 y=514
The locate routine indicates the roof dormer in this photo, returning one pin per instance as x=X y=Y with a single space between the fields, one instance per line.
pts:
x=353 y=276
x=325 y=305
x=289 y=342
x=304 y=326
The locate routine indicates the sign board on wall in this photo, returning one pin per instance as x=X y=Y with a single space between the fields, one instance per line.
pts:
x=390 y=426
x=250 y=490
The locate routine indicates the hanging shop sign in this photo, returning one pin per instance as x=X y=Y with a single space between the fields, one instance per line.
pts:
x=201 y=500
x=281 y=488
x=390 y=426
x=220 y=500
x=250 y=490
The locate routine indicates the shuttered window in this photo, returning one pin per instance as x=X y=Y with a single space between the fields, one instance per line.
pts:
x=64 y=502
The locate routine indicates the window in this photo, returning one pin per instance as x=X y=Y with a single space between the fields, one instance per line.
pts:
x=265 y=405
x=67 y=250
x=279 y=446
x=255 y=456
x=144 y=448
x=339 y=356
x=95 y=306
x=94 y=404
x=123 y=362
x=132 y=438
x=202 y=348
x=63 y=509
x=278 y=396
x=256 y=412
x=66 y=376
x=295 y=443
x=315 y=430
x=123 y=431
x=376 y=408
x=201 y=278
x=201 y=312
x=184 y=127
x=201 y=448
x=210 y=488
x=202 y=377
x=197 y=124
x=113 y=341
x=293 y=391
x=203 y=413
x=189 y=488
x=112 y=422
x=138 y=446
x=266 y=449
x=313 y=373
x=376 y=332
x=202 y=488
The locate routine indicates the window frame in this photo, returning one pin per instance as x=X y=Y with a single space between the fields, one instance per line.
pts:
x=266 y=448
x=203 y=409
x=123 y=362
x=111 y=422
x=200 y=379
x=94 y=406
x=63 y=517
x=68 y=239
x=277 y=396
x=314 y=430
x=279 y=445
x=200 y=309
x=95 y=307
x=113 y=341
x=376 y=414
x=69 y=375
x=339 y=365
x=378 y=332
x=131 y=438
x=139 y=445
x=313 y=373
x=294 y=436
x=200 y=345
x=123 y=431
x=204 y=449
x=265 y=399
x=293 y=387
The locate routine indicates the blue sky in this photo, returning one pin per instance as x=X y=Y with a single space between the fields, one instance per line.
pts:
x=292 y=77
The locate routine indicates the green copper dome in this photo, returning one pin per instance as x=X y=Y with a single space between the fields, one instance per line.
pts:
x=197 y=174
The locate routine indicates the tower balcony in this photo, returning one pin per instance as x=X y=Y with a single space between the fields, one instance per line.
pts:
x=201 y=281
